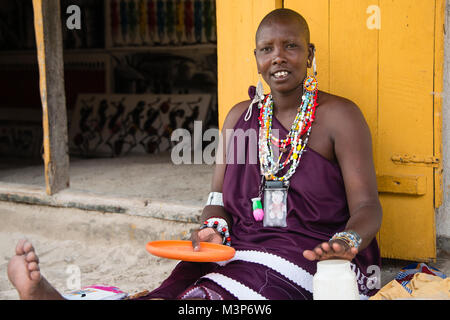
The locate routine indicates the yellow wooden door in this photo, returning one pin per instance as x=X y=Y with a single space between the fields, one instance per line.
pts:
x=386 y=56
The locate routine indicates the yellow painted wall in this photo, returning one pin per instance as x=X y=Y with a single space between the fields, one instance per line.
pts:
x=391 y=70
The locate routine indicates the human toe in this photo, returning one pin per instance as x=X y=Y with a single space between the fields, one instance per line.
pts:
x=35 y=273
x=19 y=247
x=31 y=256
x=33 y=266
x=28 y=246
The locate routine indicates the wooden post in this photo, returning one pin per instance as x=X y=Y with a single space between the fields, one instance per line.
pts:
x=47 y=25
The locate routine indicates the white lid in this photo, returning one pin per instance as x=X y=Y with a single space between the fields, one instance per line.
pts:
x=333 y=265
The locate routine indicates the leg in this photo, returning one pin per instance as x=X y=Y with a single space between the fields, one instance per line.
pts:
x=25 y=275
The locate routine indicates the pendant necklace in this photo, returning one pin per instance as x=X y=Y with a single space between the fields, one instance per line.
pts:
x=274 y=187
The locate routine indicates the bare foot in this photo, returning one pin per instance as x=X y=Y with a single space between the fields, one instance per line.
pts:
x=25 y=275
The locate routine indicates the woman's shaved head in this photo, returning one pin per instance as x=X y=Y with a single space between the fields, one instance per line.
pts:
x=285 y=15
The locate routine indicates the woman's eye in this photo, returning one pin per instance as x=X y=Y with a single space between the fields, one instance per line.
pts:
x=291 y=45
x=266 y=49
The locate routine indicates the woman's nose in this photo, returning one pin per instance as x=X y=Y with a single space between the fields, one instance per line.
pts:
x=278 y=57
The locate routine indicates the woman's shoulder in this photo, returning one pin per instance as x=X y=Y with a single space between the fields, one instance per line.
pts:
x=335 y=103
x=340 y=117
x=235 y=114
x=337 y=109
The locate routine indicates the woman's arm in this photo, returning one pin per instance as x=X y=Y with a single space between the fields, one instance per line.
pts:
x=209 y=211
x=353 y=149
x=352 y=142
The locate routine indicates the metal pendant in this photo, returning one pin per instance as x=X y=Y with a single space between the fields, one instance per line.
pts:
x=275 y=204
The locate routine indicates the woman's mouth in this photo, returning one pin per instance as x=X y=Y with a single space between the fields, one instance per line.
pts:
x=280 y=75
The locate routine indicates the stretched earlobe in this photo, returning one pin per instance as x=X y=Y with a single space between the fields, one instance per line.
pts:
x=314 y=62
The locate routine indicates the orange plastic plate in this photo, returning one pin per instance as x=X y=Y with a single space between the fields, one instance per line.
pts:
x=182 y=250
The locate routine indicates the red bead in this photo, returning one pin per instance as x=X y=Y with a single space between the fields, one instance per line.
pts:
x=224 y=229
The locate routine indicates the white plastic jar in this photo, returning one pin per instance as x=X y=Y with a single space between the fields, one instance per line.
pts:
x=335 y=280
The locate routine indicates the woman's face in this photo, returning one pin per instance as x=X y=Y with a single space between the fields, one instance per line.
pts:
x=282 y=55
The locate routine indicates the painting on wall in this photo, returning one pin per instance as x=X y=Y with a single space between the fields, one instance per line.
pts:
x=115 y=125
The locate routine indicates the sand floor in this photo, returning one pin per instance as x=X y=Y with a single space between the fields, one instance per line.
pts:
x=106 y=249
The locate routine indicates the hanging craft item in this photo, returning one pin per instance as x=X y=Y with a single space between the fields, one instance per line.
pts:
x=143 y=23
x=133 y=19
x=275 y=187
x=152 y=21
x=124 y=21
x=189 y=21
x=208 y=19
x=116 y=32
x=170 y=22
x=162 y=22
x=181 y=36
x=199 y=28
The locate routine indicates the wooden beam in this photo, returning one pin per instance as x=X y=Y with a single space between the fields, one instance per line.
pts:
x=47 y=25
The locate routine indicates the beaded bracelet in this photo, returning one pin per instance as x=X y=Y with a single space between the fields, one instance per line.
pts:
x=351 y=238
x=221 y=226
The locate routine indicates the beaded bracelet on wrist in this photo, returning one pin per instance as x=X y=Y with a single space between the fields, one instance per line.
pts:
x=221 y=226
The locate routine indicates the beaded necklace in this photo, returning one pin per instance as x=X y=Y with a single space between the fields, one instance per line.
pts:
x=301 y=125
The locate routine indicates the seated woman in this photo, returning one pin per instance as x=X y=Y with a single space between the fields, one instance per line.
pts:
x=315 y=200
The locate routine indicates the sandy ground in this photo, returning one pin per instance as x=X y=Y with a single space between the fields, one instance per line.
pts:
x=128 y=267
x=106 y=249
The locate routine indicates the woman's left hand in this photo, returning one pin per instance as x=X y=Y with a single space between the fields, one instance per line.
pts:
x=334 y=249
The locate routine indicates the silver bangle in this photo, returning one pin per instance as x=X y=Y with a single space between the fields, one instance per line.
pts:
x=350 y=237
x=215 y=199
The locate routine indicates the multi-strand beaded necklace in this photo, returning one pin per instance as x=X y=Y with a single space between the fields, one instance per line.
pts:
x=301 y=125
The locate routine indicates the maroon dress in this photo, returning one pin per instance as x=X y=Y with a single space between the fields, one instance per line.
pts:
x=269 y=262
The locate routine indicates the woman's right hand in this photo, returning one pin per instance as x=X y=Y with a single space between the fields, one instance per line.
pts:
x=205 y=235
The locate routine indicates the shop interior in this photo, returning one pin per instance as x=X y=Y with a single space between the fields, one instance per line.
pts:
x=134 y=71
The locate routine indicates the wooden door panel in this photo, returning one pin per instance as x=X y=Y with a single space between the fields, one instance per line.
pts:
x=392 y=73
x=405 y=124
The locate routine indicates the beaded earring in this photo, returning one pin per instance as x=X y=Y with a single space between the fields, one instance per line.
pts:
x=311 y=84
